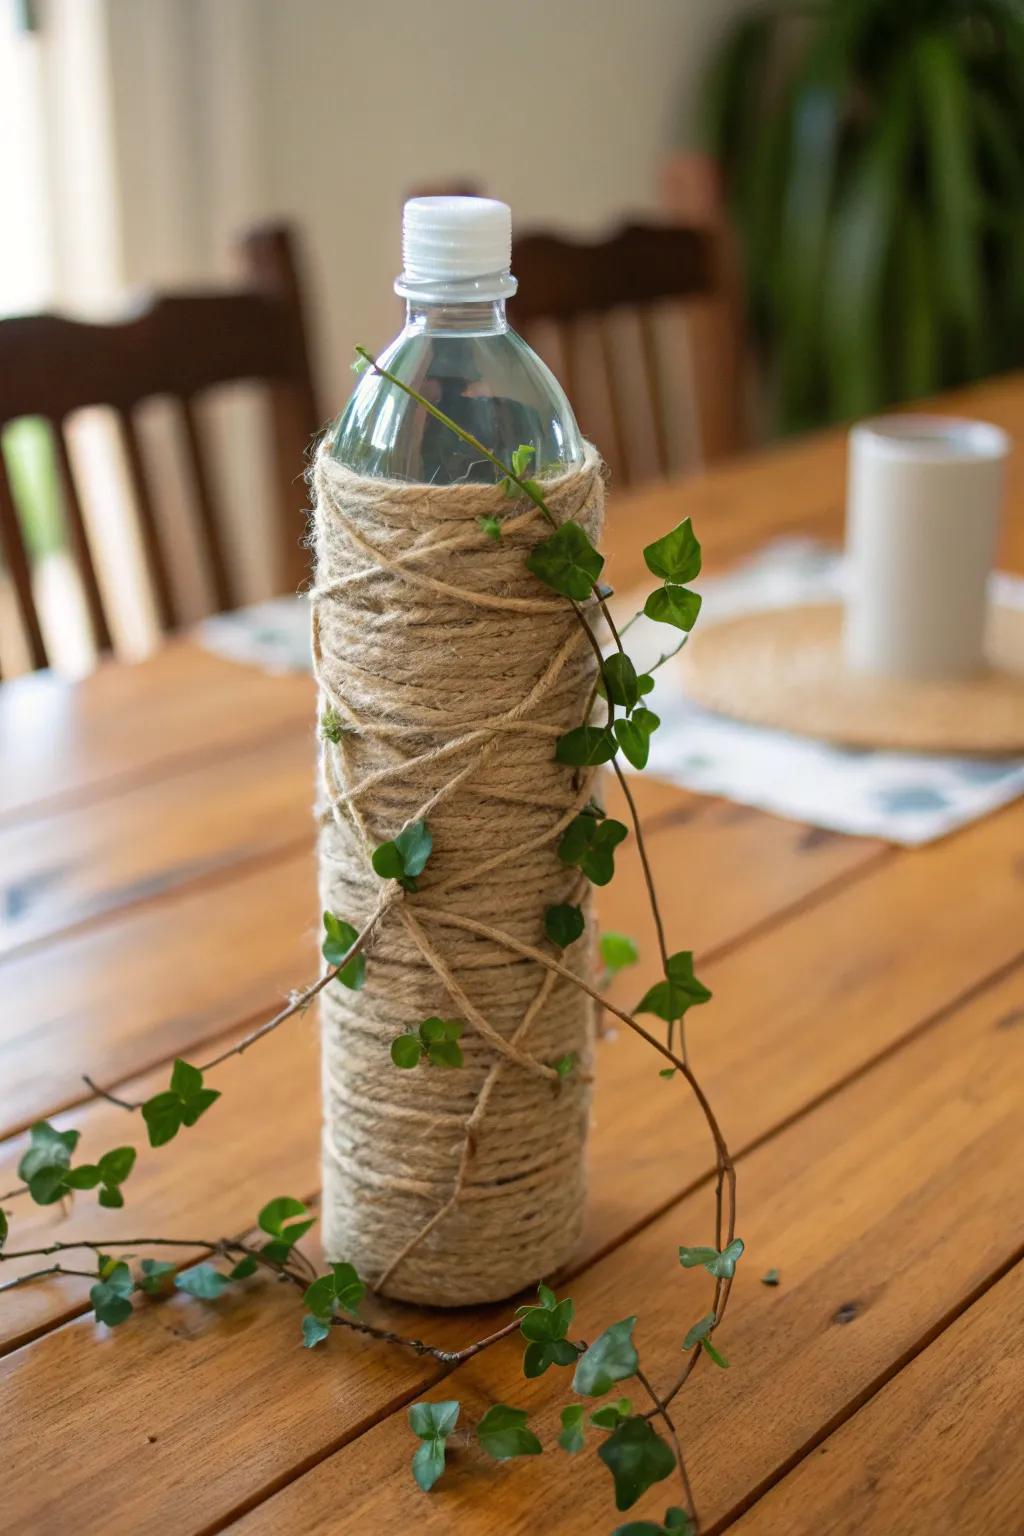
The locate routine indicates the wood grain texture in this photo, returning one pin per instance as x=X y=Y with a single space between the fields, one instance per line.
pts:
x=74 y=865
x=936 y=1450
x=885 y=1210
x=63 y=742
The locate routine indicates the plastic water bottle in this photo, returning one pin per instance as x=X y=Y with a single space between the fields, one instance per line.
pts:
x=458 y=351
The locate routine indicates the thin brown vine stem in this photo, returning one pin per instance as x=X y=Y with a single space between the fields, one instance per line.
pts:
x=227 y=1246
x=660 y=1410
x=652 y=896
x=12 y=1194
x=645 y=863
x=46 y=1274
x=297 y=1003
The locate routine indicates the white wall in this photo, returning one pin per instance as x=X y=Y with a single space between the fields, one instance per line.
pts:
x=329 y=111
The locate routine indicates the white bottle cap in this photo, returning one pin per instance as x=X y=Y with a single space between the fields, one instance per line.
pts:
x=456 y=248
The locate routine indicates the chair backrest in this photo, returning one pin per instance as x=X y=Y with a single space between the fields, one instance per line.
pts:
x=180 y=346
x=628 y=323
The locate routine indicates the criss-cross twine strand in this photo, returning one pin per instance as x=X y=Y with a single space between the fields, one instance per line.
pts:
x=452 y=671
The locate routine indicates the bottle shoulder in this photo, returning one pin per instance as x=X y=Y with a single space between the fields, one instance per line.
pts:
x=492 y=385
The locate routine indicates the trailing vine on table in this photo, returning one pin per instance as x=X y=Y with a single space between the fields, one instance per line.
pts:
x=638 y=1443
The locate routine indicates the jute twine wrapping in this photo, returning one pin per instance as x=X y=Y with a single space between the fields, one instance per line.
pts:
x=453 y=671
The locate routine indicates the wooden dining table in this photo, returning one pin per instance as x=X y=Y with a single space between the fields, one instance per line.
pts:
x=864 y=1052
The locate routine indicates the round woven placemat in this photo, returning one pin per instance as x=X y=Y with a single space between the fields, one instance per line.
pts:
x=784 y=668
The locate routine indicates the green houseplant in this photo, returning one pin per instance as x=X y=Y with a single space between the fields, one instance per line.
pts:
x=873 y=159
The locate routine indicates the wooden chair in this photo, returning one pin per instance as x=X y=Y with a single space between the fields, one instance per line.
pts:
x=629 y=325
x=180 y=346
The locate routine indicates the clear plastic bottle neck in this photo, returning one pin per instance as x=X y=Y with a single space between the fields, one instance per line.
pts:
x=456 y=317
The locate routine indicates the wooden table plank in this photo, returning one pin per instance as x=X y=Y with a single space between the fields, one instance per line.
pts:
x=891 y=1204
x=940 y=1444
x=62 y=741
x=161 y=977
x=60 y=870
x=886 y=1210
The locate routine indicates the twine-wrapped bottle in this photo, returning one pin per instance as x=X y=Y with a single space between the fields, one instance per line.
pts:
x=447 y=672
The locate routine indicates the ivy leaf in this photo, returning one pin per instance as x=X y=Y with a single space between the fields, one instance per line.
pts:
x=689 y=1258
x=521 y=459
x=406 y=1051
x=612 y=1357
x=770 y=1277
x=333 y=727
x=637 y=1458
x=314 y=1331
x=564 y=1065
x=203 y=1282
x=590 y=845
x=539 y=1355
x=571 y=1438
x=667 y=1072
x=85 y=1176
x=405 y=856
x=439 y=1040
x=676 y=557
x=339 y=940
x=546 y=1323
x=563 y=925
x=115 y=1166
x=162 y=1114
x=183 y=1104
x=567 y=562
x=503 y=1434
x=342 y=1287
x=48 y=1148
x=446 y=1053
x=634 y=735
x=585 y=746
x=714 y=1355
x=155 y=1274
x=491 y=526
x=677 y=1523
x=247 y=1266
x=432 y=1423
x=612 y=1414
x=721 y=1265
x=275 y=1213
x=434 y=1030
x=674 y=605
x=724 y=1266
x=681 y=990
x=4 y=1229
x=617 y=952
x=699 y=1331
x=620 y=680
x=110 y=1296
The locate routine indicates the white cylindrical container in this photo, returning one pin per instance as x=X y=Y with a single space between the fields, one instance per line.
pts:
x=922 y=516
